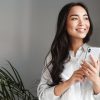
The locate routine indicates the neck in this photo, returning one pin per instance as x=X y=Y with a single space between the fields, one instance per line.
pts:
x=75 y=45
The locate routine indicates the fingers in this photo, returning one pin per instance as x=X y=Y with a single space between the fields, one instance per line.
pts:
x=93 y=61
x=79 y=79
x=78 y=75
x=87 y=66
x=79 y=72
x=91 y=70
x=87 y=71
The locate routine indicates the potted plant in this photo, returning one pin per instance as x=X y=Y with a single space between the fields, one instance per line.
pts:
x=12 y=87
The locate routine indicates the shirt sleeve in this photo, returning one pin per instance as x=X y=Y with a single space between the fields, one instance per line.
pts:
x=44 y=91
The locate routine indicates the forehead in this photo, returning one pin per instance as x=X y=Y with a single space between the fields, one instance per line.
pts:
x=77 y=10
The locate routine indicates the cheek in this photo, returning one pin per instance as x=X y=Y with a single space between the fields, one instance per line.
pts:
x=70 y=26
x=70 y=29
x=88 y=25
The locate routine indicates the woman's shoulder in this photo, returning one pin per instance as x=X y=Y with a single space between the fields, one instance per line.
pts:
x=47 y=62
x=48 y=58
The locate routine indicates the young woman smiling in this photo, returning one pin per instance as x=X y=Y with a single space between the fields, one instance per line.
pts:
x=71 y=69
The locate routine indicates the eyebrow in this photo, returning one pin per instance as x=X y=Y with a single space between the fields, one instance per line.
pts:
x=77 y=15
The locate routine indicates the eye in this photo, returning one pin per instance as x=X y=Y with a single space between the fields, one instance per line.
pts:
x=86 y=18
x=74 y=18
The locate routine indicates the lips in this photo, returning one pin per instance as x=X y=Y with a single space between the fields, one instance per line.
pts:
x=81 y=30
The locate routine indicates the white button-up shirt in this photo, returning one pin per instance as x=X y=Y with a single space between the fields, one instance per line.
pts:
x=78 y=91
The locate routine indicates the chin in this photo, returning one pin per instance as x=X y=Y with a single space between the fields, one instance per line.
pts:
x=83 y=36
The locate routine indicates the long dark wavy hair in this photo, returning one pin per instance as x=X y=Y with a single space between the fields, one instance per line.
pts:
x=59 y=50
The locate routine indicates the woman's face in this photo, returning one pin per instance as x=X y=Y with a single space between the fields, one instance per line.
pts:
x=78 y=23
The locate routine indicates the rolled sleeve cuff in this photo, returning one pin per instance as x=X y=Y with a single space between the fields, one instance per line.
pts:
x=50 y=93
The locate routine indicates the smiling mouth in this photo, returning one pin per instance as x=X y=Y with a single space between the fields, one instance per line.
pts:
x=81 y=30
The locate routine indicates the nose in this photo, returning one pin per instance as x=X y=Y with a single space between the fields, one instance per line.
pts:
x=81 y=22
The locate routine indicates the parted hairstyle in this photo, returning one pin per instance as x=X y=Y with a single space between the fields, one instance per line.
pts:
x=60 y=46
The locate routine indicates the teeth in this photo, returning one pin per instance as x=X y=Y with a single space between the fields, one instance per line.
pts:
x=80 y=29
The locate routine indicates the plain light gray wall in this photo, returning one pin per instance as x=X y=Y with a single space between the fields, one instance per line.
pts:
x=27 y=29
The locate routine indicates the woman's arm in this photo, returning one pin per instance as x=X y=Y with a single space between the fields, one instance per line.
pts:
x=44 y=91
x=63 y=86
x=59 y=89
x=96 y=86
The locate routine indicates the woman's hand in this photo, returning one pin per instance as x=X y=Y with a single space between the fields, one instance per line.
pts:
x=77 y=76
x=91 y=71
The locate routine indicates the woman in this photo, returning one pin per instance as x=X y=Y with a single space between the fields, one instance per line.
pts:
x=72 y=66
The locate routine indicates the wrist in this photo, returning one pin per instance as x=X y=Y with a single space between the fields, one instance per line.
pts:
x=96 y=82
x=96 y=86
x=60 y=88
x=71 y=82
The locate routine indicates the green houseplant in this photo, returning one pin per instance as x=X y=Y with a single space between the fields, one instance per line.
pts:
x=11 y=86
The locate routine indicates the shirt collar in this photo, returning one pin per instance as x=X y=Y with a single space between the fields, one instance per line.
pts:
x=82 y=48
